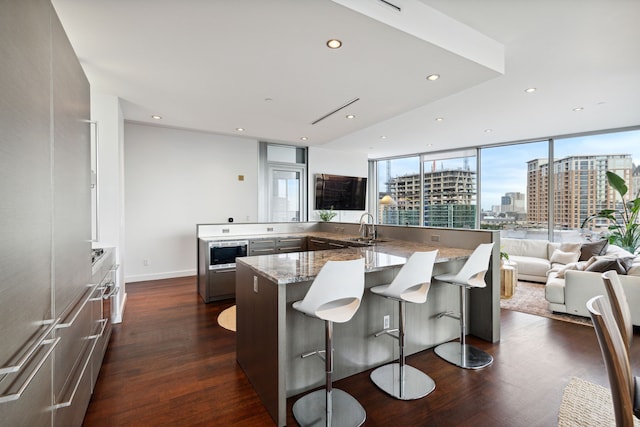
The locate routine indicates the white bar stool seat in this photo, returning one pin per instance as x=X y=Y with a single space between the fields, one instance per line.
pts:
x=334 y=296
x=471 y=275
x=411 y=284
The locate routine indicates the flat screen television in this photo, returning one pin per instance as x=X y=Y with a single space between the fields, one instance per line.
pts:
x=340 y=193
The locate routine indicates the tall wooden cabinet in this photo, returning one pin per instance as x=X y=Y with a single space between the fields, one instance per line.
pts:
x=46 y=327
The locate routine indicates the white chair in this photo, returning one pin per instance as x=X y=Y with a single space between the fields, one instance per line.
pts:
x=471 y=275
x=334 y=296
x=624 y=386
x=619 y=305
x=411 y=284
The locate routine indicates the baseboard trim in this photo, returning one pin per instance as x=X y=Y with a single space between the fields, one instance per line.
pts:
x=159 y=276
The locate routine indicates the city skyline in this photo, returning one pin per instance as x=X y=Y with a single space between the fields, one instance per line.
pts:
x=504 y=168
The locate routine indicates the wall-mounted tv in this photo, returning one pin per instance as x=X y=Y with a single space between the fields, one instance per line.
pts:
x=341 y=193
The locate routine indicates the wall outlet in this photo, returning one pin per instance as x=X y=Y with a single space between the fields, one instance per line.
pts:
x=435 y=238
x=145 y=262
x=385 y=322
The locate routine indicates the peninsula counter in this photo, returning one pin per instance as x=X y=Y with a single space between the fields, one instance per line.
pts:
x=271 y=335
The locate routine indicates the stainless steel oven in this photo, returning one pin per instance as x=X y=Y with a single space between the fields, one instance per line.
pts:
x=223 y=253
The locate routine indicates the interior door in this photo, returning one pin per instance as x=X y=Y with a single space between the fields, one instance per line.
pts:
x=285 y=198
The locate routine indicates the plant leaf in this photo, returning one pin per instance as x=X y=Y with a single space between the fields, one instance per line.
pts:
x=617 y=183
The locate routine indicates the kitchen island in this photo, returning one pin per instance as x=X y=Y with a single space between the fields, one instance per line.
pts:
x=271 y=335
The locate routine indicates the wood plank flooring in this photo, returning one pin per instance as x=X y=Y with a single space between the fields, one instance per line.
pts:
x=170 y=364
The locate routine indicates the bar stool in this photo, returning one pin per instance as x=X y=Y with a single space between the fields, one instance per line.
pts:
x=411 y=284
x=471 y=275
x=334 y=296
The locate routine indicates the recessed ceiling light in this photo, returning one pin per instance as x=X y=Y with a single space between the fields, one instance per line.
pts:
x=156 y=117
x=488 y=130
x=383 y=137
x=530 y=90
x=439 y=119
x=303 y=138
x=433 y=77
x=240 y=129
x=268 y=99
x=334 y=44
x=350 y=116
x=429 y=145
x=578 y=109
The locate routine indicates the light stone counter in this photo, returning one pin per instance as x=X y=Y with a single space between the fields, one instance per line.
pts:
x=304 y=266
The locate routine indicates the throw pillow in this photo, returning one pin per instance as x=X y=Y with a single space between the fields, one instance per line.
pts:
x=619 y=265
x=587 y=250
x=563 y=257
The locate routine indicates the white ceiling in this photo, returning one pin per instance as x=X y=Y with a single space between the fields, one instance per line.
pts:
x=262 y=65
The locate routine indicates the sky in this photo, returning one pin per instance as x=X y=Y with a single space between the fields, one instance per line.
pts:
x=504 y=168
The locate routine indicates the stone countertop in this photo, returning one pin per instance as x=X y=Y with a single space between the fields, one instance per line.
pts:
x=304 y=266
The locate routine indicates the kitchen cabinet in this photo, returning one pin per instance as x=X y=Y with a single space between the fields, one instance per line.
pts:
x=291 y=244
x=45 y=257
x=265 y=246
x=320 y=244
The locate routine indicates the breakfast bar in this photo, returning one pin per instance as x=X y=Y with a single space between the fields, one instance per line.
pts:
x=271 y=335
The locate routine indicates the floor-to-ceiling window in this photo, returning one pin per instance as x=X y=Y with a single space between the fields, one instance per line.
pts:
x=450 y=183
x=581 y=188
x=539 y=189
x=399 y=191
x=514 y=189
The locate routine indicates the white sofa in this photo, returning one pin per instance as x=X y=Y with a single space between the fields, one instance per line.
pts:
x=568 y=288
x=533 y=257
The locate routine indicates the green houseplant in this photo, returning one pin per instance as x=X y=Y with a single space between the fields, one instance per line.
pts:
x=327 y=215
x=624 y=229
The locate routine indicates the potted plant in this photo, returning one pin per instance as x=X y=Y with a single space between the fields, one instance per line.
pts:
x=327 y=215
x=504 y=257
x=624 y=229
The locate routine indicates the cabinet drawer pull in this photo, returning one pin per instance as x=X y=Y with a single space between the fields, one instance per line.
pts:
x=289 y=240
x=79 y=307
x=103 y=326
x=52 y=343
x=336 y=244
x=71 y=392
x=317 y=241
x=27 y=355
x=114 y=291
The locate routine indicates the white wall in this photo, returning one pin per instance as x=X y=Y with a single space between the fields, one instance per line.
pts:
x=176 y=179
x=337 y=163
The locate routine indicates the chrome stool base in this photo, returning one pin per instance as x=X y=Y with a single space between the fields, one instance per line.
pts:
x=414 y=385
x=463 y=355
x=310 y=410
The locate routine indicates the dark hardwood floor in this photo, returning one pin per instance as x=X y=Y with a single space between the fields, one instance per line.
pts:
x=170 y=364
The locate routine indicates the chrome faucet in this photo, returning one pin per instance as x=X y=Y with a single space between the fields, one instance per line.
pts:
x=365 y=231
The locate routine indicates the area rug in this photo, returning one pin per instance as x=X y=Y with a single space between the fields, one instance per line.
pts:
x=227 y=318
x=529 y=298
x=587 y=404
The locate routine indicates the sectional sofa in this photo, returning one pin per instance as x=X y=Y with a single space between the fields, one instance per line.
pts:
x=572 y=271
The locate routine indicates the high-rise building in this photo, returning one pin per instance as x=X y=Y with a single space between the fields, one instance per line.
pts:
x=513 y=202
x=449 y=198
x=580 y=187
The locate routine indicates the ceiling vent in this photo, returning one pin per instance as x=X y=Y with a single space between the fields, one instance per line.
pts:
x=331 y=113
x=391 y=5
